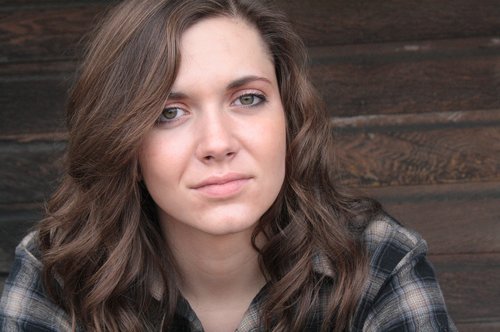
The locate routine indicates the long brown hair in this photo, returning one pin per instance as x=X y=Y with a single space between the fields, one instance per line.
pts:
x=101 y=239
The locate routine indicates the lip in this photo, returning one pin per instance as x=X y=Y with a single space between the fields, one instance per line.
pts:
x=222 y=186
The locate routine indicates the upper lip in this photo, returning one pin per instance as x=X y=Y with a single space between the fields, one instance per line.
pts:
x=220 y=179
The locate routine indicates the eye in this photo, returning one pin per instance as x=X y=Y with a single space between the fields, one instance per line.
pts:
x=249 y=99
x=170 y=114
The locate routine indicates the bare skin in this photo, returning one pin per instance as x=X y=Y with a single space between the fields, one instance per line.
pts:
x=220 y=282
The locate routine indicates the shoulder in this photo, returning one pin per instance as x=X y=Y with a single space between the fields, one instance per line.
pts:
x=24 y=305
x=391 y=246
x=402 y=292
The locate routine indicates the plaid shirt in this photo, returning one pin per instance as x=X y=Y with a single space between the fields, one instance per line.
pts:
x=401 y=293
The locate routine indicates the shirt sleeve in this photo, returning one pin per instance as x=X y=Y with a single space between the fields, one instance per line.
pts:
x=24 y=306
x=405 y=295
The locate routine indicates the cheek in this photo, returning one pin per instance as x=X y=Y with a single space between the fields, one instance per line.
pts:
x=157 y=160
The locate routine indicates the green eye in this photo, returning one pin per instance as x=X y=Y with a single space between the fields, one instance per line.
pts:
x=170 y=114
x=247 y=99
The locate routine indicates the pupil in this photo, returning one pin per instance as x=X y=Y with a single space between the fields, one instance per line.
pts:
x=247 y=100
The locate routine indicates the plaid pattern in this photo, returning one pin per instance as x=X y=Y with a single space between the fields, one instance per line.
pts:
x=401 y=293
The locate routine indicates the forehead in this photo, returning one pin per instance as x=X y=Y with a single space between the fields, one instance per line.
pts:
x=223 y=46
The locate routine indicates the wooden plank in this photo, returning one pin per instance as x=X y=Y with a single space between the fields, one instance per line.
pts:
x=2 y=282
x=427 y=76
x=15 y=222
x=6 y=4
x=479 y=327
x=470 y=286
x=29 y=170
x=42 y=34
x=33 y=96
x=32 y=105
x=48 y=32
x=453 y=218
x=418 y=149
x=326 y=22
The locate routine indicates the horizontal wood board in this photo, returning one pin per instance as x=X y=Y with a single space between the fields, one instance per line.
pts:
x=429 y=76
x=47 y=30
x=453 y=219
x=418 y=152
x=470 y=286
x=29 y=171
x=326 y=22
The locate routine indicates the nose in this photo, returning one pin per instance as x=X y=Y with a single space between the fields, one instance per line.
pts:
x=217 y=139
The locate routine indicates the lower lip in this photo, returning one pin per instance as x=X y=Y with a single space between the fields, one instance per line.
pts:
x=225 y=190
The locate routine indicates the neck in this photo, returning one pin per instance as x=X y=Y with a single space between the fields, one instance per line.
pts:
x=214 y=268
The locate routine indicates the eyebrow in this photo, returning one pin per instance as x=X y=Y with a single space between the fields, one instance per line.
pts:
x=244 y=80
x=233 y=85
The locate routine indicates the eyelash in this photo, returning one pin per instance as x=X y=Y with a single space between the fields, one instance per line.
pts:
x=260 y=96
x=251 y=94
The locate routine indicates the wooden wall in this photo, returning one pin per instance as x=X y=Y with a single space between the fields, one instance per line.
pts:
x=413 y=89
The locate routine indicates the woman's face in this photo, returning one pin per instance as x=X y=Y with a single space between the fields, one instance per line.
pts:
x=215 y=162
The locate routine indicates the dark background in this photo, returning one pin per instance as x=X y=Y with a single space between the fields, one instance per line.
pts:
x=413 y=88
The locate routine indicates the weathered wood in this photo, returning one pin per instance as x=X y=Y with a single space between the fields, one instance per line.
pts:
x=326 y=22
x=49 y=30
x=429 y=76
x=29 y=170
x=15 y=223
x=470 y=286
x=2 y=282
x=33 y=96
x=453 y=219
x=5 y=4
x=379 y=151
x=479 y=327
x=42 y=34
x=32 y=105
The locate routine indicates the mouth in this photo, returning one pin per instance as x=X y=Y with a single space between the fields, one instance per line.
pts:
x=222 y=186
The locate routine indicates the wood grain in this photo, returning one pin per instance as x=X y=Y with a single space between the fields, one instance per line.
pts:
x=479 y=327
x=428 y=76
x=42 y=34
x=33 y=96
x=453 y=219
x=50 y=30
x=2 y=282
x=15 y=223
x=29 y=170
x=326 y=22
x=470 y=286
x=423 y=150
x=48 y=3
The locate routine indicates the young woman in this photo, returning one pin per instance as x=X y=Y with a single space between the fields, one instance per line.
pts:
x=199 y=193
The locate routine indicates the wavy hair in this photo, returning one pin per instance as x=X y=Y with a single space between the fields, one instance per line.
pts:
x=102 y=249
